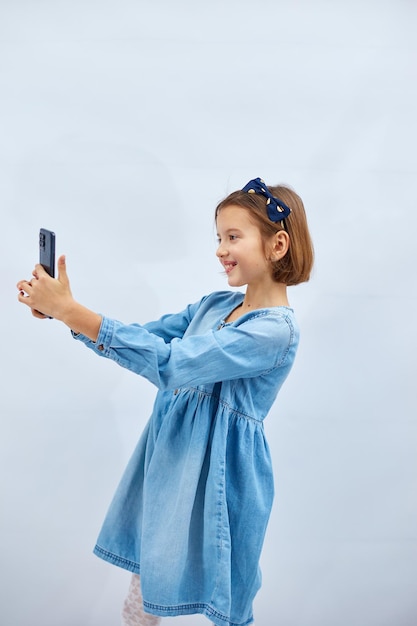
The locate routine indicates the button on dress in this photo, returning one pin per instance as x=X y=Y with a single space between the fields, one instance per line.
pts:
x=192 y=507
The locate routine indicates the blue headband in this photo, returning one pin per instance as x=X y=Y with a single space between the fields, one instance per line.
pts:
x=277 y=209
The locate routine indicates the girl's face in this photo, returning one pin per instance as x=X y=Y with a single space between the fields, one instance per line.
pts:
x=241 y=250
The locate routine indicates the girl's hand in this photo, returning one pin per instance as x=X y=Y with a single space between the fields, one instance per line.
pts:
x=46 y=296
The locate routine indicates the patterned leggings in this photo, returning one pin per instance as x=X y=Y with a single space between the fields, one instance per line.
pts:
x=133 y=613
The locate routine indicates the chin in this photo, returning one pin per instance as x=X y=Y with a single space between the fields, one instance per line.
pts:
x=234 y=282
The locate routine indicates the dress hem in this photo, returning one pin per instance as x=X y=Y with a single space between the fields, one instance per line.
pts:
x=114 y=559
x=193 y=608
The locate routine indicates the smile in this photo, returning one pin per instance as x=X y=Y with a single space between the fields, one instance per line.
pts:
x=228 y=266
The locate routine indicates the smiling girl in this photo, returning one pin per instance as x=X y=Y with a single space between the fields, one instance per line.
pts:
x=192 y=507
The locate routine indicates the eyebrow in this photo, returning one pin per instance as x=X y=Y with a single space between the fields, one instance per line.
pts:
x=229 y=230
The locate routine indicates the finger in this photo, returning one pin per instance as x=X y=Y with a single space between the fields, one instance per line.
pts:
x=23 y=297
x=38 y=271
x=23 y=285
x=62 y=269
x=38 y=314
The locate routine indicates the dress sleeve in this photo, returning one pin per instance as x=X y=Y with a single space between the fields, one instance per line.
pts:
x=249 y=348
x=173 y=325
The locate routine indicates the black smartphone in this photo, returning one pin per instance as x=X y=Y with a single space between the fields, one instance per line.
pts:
x=47 y=250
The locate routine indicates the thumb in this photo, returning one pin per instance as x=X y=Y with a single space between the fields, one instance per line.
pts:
x=62 y=270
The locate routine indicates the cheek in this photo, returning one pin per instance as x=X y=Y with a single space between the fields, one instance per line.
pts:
x=264 y=252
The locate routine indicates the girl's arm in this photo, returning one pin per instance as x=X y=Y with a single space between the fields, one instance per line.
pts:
x=173 y=325
x=50 y=297
x=248 y=349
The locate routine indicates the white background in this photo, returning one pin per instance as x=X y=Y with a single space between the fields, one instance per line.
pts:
x=122 y=124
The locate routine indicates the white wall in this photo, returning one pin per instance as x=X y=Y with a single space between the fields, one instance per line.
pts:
x=121 y=126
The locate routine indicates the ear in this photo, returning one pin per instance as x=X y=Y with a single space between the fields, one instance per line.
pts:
x=280 y=245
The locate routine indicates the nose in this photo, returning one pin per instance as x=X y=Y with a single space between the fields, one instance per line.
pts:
x=221 y=251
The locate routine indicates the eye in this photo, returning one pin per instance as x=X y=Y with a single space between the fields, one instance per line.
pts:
x=227 y=238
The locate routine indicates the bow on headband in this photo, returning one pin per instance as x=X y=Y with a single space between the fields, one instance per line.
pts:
x=277 y=210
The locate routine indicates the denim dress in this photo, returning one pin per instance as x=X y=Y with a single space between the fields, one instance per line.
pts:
x=192 y=507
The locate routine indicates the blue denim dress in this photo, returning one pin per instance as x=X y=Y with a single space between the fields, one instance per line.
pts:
x=191 y=510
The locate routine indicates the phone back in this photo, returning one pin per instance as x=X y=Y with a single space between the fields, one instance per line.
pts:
x=47 y=250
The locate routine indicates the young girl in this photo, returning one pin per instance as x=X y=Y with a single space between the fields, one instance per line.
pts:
x=191 y=510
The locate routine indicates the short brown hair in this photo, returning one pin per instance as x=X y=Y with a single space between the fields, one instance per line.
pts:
x=295 y=267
